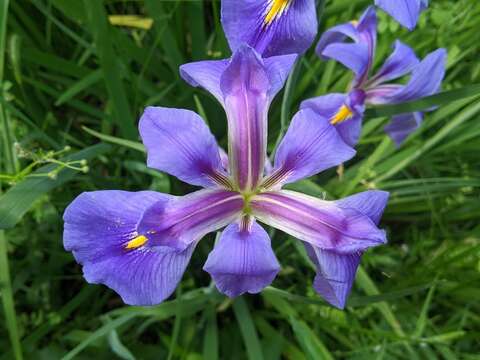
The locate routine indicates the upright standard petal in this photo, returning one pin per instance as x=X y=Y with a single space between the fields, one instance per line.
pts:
x=401 y=62
x=336 y=271
x=406 y=12
x=401 y=126
x=310 y=145
x=205 y=74
x=272 y=27
x=186 y=219
x=336 y=34
x=278 y=68
x=353 y=56
x=245 y=86
x=242 y=260
x=101 y=230
x=324 y=224
x=179 y=142
x=357 y=56
x=326 y=106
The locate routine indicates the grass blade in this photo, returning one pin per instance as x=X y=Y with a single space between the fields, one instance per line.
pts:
x=110 y=67
x=247 y=328
x=7 y=299
x=210 y=341
x=116 y=140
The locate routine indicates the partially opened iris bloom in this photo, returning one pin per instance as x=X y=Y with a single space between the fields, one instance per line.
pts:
x=139 y=243
x=345 y=111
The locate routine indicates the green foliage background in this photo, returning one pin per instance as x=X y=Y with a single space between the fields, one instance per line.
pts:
x=72 y=76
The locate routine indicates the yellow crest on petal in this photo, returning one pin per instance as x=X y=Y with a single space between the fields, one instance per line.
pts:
x=136 y=242
x=277 y=8
x=342 y=114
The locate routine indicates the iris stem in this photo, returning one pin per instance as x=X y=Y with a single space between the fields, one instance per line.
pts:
x=9 y=160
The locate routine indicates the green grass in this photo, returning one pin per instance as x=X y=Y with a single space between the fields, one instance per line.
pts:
x=73 y=87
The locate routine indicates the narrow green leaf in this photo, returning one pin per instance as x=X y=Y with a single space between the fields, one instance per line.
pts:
x=422 y=319
x=116 y=140
x=99 y=333
x=79 y=86
x=176 y=327
x=432 y=141
x=247 y=329
x=117 y=346
x=7 y=299
x=5 y=280
x=210 y=341
x=162 y=26
x=110 y=66
x=313 y=347
x=3 y=34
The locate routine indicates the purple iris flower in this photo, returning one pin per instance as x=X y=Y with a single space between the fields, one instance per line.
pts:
x=272 y=27
x=406 y=12
x=139 y=243
x=345 y=111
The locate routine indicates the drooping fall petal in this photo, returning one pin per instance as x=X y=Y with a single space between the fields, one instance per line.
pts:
x=272 y=27
x=357 y=55
x=336 y=271
x=101 y=229
x=242 y=260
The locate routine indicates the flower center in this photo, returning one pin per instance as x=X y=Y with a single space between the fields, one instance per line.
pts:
x=247 y=197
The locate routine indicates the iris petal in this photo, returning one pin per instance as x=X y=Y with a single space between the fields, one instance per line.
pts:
x=401 y=62
x=179 y=142
x=357 y=56
x=353 y=56
x=272 y=27
x=186 y=219
x=406 y=12
x=324 y=224
x=205 y=74
x=242 y=260
x=401 y=126
x=336 y=271
x=98 y=227
x=310 y=146
x=245 y=86
x=426 y=79
x=335 y=274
